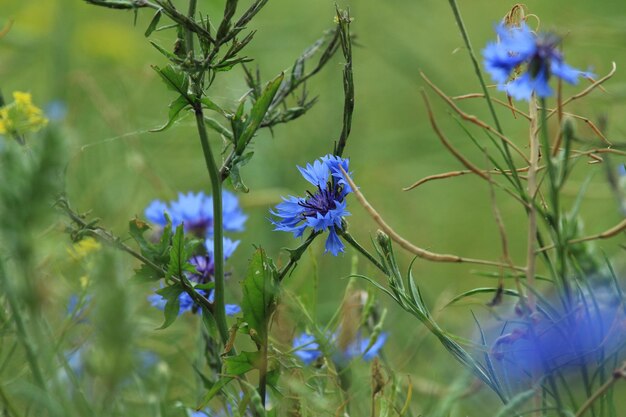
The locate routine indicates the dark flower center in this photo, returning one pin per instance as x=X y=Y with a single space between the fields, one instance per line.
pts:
x=199 y=227
x=546 y=51
x=322 y=201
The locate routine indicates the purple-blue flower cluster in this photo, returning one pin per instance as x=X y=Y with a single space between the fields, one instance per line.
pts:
x=307 y=349
x=195 y=212
x=204 y=265
x=517 y=46
x=323 y=208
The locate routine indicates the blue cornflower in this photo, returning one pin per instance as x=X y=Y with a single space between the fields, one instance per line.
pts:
x=518 y=46
x=195 y=211
x=361 y=347
x=204 y=265
x=308 y=349
x=323 y=208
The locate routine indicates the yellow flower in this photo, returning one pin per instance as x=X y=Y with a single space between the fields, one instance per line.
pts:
x=21 y=116
x=84 y=247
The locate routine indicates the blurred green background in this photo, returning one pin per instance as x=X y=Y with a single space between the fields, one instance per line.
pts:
x=97 y=62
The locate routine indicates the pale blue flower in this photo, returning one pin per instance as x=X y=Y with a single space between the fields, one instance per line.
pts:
x=517 y=46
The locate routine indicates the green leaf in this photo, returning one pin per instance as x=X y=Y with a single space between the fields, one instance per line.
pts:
x=146 y=273
x=178 y=254
x=235 y=176
x=258 y=111
x=137 y=228
x=259 y=293
x=209 y=323
x=172 y=307
x=209 y=104
x=153 y=23
x=167 y=54
x=515 y=404
x=228 y=64
x=215 y=125
x=174 y=79
x=242 y=363
x=215 y=389
x=481 y=291
x=176 y=107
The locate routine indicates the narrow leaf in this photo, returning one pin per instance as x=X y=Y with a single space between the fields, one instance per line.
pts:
x=153 y=23
x=176 y=107
x=258 y=111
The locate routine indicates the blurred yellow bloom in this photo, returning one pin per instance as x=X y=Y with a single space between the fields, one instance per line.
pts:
x=21 y=116
x=83 y=248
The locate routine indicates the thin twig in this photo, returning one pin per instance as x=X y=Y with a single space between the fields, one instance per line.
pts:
x=457 y=154
x=617 y=375
x=607 y=234
x=452 y=174
x=471 y=118
x=408 y=246
x=514 y=109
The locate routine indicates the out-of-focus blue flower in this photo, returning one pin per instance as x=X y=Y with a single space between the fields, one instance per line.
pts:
x=308 y=350
x=56 y=110
x=517 y=46
x=204 y=265
x=195 y=211
x=361 y=347
x=323 y=208
x=621 y=170
x=589 y=331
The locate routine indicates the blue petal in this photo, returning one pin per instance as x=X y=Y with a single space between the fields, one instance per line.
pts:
x=317 y=174
x=333 y=243
x=565 y=72
x=335 y=164
x=306 y=348
x=229 y=247
x=232 y=309
x=155 y=212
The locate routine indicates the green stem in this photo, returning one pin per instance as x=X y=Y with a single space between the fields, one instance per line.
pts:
x=218 y=228
x=31 y=356
x=189 y=34
x=219 y=311
x=348 y=238
x=483 y=85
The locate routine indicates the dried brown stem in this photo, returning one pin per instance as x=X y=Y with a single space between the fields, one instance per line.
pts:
x=408 y=246
x=514 y=109
x=609 y=233
x=452 y=174
x=471 y=118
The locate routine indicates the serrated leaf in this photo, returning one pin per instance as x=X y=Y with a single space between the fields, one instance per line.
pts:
x=146 y=273
x=258 y=111
x=172 y=307
x=174 y=79
x=242 y=363
x=259 y=293
x=175 y=107
x=178 y=254
x=153 y=23
x=235 y=176
x=136 y=229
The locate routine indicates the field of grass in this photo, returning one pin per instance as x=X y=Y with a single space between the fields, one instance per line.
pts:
x=96 y=63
